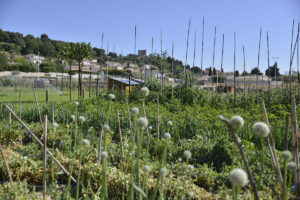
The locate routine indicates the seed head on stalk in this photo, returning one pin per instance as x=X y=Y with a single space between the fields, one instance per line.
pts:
x=145 y=91
x=146 y=169
x=81 y=119
x=111 y=96
x=142 y=122
x=238 y=177
x=73 y=118
x=237 y=122
x=106 y=127
x=85 y=143
x=286 y=155
x=261 y=129
x=187 y=154
x=167 y=136
x=163 y=172
x=135 y=110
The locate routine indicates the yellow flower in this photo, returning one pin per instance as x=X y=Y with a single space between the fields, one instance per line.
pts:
x=67 y=125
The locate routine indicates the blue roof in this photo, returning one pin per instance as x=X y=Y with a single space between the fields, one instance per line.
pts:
x=125 y=81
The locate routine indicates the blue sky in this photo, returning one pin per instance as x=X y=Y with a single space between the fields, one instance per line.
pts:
x=74 y=20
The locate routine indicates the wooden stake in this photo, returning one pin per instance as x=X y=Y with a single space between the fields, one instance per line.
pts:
x=202 y=45
x=90 y=82
x=129 y=118
x=20 y=108
x=47 y=96
x=268 y=59
x=258 y=56
x=120 y=134
x=286 y=135
x=290 y=71
x=214 y=49
x=40 y=143
x=38 y=109
x=6 y=166
x=70 y=81
x=186 y=52
x=53 y=114
x=237 y=141
x=272 y=150
x=144 y=110
x=295 y=136
x=234 y=74
x=9 y=121
x=244 y=68
x=194 y=56
x=157 y=116
x=45 y=157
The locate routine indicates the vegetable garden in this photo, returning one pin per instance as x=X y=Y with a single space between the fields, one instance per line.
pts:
x=154 y=144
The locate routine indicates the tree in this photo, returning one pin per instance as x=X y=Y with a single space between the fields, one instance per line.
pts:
x=237 y=73
x=44 y=37
x=214 y=71
x=3 y=62
x=272 y=70
x=196 y=69
x=78 y=52
x=245 y=73
x=256 y=71
x=209 y=71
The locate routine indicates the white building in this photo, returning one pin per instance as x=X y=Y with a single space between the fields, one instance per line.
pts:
x=37 y=59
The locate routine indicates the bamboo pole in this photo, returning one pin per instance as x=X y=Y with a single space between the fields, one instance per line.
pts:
x=100 y=146
x=144 y=111
x=291 y=57
x=6 y=166
x=129 y=119
x=213 y=59
x=90 y=82
x=244 y=59
x=234 y=74
x=39 y=141
x=202 y=44
x=20 y=108
x=157 y=116
x=9 y=120
x=286 y=135
x=47 y=96
x=295 y=136
x=268 y=59
x=258 y=57
x=38 y=108
x=194 y=56
x=45 y=157
x=70 y=81
x=222 y=55
x=237 y=141
x=120 y=134
x=186 y=52
x=272 y=149
x=298 y=62
x=53 y=114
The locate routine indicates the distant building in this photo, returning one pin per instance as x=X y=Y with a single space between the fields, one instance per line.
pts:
x=35 y=58
x=122 y=84
x=142 y=52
